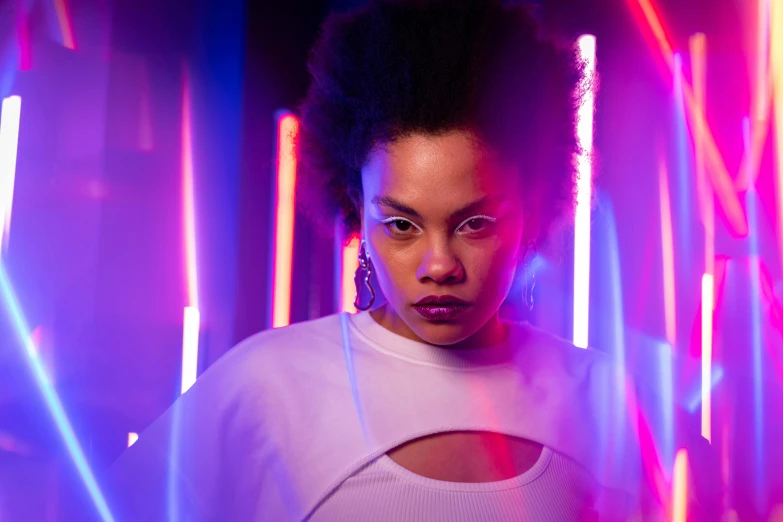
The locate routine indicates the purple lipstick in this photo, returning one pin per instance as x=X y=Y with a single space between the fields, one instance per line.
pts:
x=439 y=308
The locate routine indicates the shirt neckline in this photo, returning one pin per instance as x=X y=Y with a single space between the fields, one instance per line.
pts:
x=394 y=344
x=520 y=480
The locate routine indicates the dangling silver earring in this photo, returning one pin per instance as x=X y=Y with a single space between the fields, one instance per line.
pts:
x=530 y=275
x=364 y=265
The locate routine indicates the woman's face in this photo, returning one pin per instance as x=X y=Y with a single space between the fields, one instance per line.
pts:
x=442 y=217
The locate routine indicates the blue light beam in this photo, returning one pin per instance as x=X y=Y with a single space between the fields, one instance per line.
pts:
x=757 y=347
x=50 y=396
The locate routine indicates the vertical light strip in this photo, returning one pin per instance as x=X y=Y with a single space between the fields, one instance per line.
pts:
x=707 y=299
x=66 y=24
x=684 y=180
x=776 y=63
x=188 y=197
x=287 y=129
x=680 y=487
x=697 y=44
x=50 y=397
x=9 y=141
x=762 y=93
x=668 y=350
x=349 y=265
x=132 y=438
x=584 y=194
x=667 y=251
x=698 y=49
x=615 y=409
x=190 y=333
x=761 y=98
x=191 y=316
x=757 y=347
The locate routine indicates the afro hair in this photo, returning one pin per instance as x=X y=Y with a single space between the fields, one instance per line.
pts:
x=396 y=67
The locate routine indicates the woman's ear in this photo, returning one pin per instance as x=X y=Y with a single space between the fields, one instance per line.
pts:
x=357 y=200
x=531 y=224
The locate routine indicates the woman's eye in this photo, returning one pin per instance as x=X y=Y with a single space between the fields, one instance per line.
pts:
x=476 y=224
x=400 y=226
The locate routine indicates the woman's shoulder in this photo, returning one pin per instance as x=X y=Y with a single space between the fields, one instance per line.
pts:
x=324 y=329
x=278 y=354
x=545 y=351
x=269 y=358
x=222 y=420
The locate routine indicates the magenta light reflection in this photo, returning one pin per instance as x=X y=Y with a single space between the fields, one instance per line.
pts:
x=9 y=140
x=51 y=399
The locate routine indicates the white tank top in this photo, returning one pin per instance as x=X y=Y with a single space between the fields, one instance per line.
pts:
x=554 y=488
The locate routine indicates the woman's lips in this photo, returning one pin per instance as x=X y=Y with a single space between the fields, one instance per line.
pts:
x=440 y=312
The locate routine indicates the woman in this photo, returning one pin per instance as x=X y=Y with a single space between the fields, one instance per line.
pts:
x=443 y=131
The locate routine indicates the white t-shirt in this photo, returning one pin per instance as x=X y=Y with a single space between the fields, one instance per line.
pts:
x=294 y=423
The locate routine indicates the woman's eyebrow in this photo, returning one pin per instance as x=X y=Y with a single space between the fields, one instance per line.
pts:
x=470 y=208
x=388 y=201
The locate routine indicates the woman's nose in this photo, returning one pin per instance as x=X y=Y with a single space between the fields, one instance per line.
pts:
x=440 y=264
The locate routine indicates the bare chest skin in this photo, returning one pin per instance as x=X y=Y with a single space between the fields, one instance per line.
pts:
x=467 y=456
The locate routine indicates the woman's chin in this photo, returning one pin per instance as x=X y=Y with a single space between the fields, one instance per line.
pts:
x=441 y=333
x=430 y=328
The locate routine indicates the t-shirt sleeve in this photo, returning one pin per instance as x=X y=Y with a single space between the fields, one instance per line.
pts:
x=180 y=469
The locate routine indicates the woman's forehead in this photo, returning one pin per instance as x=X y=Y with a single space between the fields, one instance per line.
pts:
x=423 y=167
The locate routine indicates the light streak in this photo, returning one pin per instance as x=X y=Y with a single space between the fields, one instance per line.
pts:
x=584 y=195
x=680 y=487
x=65 y=21
x=9 y=141
x=288 y=127
x=50 y=397
x=349 y=265
x=707 y=299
